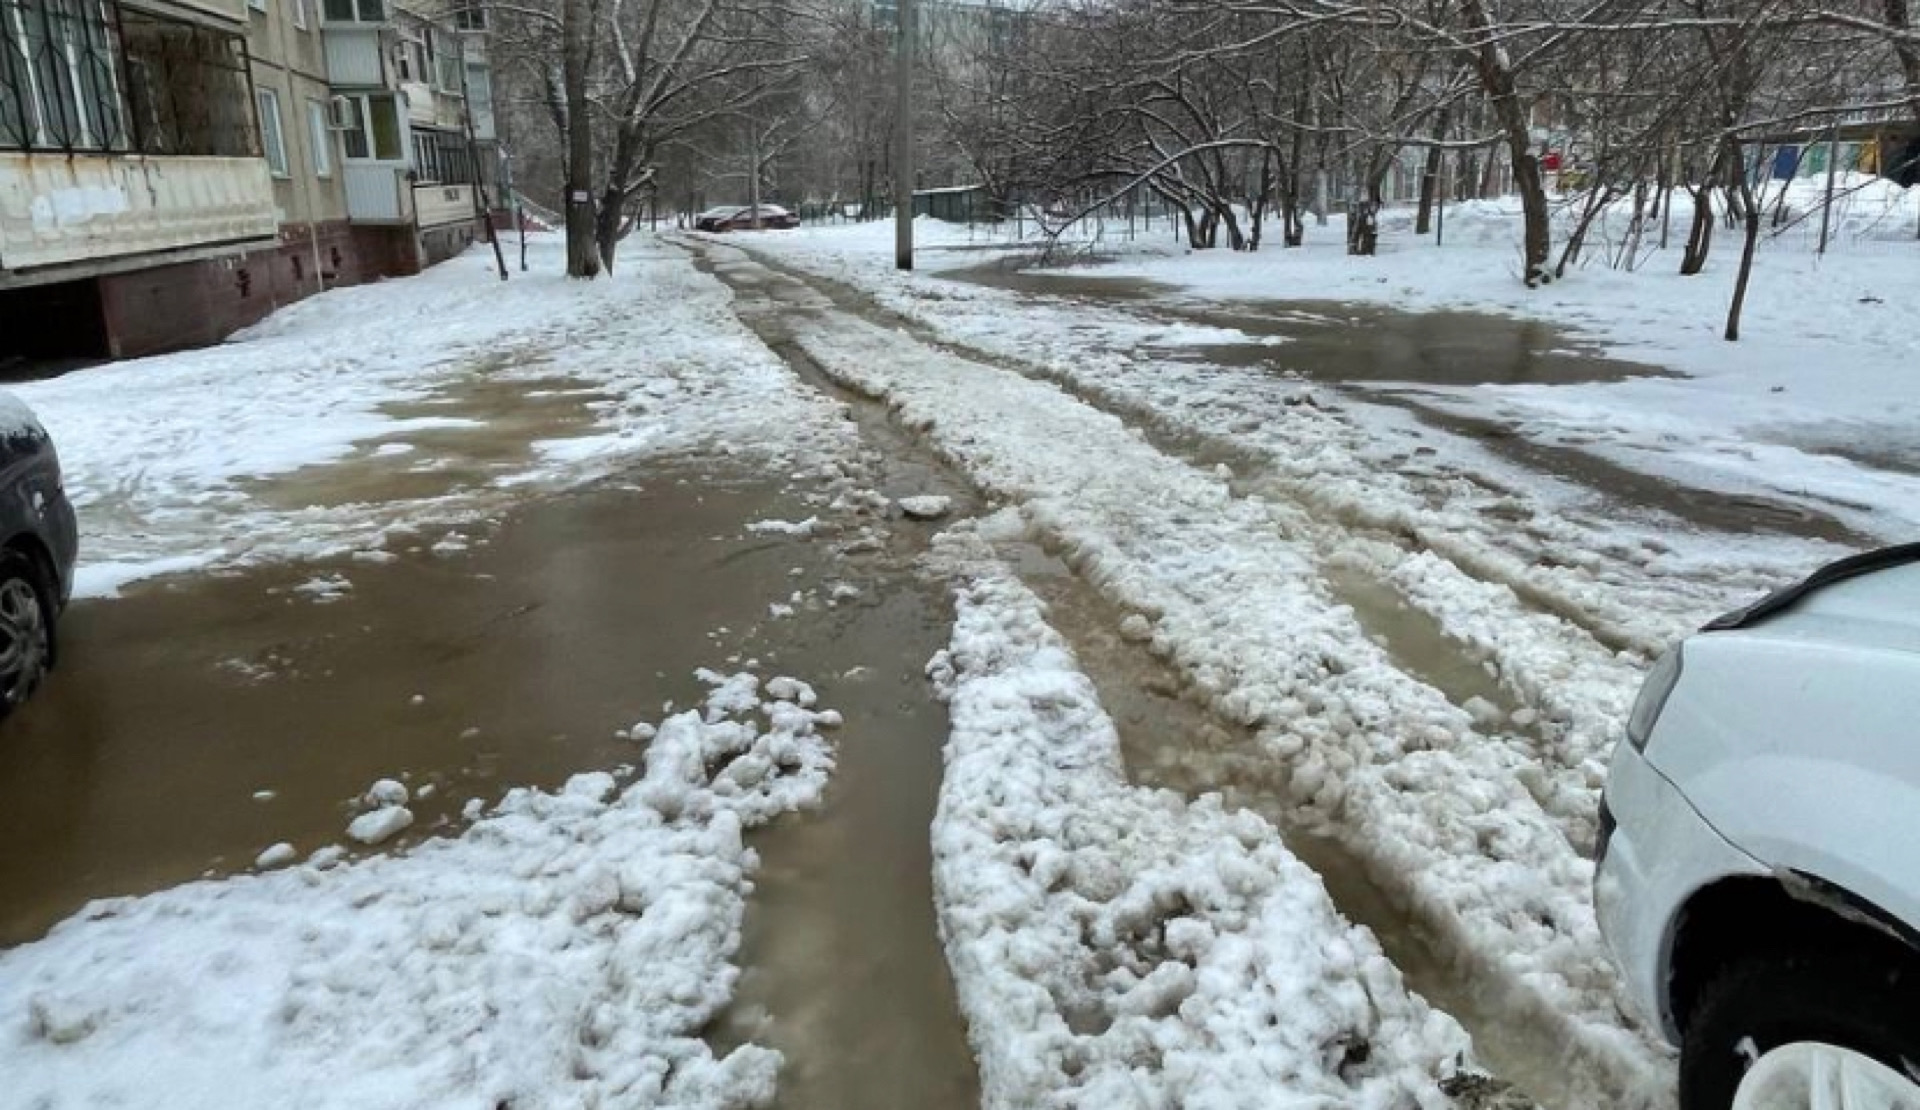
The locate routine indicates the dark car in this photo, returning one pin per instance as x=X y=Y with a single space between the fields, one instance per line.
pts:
x=41 y=541
x=740 y=217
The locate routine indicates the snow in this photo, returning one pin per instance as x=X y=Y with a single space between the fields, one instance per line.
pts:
x=1814 y=405
x=380 y=825
x=1119 y=947
x=567 y=949
x=386 y=792
x=171 y=460
x=1475 y=831
x=925 y=506
x=797 y=528
x=276 y=856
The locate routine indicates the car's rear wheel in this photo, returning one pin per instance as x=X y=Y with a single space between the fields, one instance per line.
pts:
x=26 y=630
x=1816 y=1029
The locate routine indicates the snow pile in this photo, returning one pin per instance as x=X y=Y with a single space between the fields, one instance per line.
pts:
x=1119 y=947
x=566 y=950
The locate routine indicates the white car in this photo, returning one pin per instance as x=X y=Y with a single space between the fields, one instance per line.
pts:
x=1758 y=872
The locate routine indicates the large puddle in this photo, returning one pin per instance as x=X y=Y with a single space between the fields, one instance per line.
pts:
x=1339 y=341
x=495 y=663
x=196 y=721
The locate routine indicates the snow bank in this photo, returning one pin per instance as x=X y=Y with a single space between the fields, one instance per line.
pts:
x=1119 y=947
x=566 y=950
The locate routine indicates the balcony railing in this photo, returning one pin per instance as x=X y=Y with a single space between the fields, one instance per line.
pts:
x=378 y=193
x=97 y=207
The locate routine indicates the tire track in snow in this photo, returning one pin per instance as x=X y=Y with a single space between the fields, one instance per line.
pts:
x=1628 y=591
x=1571 y=686
x=1435 y=808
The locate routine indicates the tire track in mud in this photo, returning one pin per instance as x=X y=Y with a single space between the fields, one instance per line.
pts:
x=1523 y=1024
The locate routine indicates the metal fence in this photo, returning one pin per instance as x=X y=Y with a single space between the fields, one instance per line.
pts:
x=89 y=76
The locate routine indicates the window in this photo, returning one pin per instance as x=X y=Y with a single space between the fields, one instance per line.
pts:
x=58 y=77
x=354 y=11
x=374 y=131
x=321 y=138
x=448 y=61
x=299 y=13
x=469 y=15
x=271 y=136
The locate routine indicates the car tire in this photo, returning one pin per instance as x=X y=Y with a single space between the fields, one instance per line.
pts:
x=27 y=617
x=1860 y=997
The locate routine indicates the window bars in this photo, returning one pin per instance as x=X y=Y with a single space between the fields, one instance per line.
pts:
x=80 y=76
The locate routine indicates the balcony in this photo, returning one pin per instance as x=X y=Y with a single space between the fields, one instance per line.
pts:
x=378 y=193
x=88 y=208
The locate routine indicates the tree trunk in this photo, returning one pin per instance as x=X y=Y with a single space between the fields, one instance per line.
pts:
x=1746 y=268
x=583 y=259
x=1497 y=80
x=1363 y=227
x=1430 y=178
x=1700 y=236
x=1429 y=185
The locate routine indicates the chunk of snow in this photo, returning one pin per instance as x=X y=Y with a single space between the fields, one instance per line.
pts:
x=279 y=855
x=791 y=689
x=798 y=529
x=379 y=825
x=385 y=792
x=925 y=506
x=1136 y=628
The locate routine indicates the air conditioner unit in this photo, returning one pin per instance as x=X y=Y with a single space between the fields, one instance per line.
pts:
x=343 y=113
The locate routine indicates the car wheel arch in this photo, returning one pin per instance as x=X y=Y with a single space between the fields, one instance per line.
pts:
x=1747 y=913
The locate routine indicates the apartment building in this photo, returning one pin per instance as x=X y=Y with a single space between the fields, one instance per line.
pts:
x=172 y=170
x=132 y=194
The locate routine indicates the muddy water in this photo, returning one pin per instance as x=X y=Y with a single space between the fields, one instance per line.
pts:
x=482 y=426
x=138 y=765
x=841 y=933
x=1340 y=341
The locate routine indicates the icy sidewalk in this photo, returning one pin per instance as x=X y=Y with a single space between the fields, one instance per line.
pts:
x=1119 y=947
x=1440 y=809
x=173 y=460
x=569 y=949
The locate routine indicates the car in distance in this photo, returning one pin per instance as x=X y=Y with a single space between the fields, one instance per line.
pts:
x=741 y=217
x=1758 y=865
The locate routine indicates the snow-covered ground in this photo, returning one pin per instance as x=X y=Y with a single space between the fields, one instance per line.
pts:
x=165 y=456
x=565 y=950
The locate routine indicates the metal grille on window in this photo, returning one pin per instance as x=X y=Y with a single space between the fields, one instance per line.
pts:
x=442 y=158
x=87 y=75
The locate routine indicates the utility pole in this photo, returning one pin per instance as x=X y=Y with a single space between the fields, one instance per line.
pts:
x=903 y=139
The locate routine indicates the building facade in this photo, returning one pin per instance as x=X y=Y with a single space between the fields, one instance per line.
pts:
x=172 y=170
